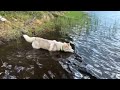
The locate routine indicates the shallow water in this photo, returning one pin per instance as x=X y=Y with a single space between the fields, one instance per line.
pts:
x=97 y=53
x=18 y=60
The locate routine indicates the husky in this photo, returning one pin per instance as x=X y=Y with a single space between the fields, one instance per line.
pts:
x=50 y=45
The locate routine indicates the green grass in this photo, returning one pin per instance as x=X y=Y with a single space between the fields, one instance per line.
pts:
x=70 y=19
x=74 y=14
x=62 y=23
x=17 y=20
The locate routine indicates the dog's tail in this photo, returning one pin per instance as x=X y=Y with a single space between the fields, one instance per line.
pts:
x=28 y=39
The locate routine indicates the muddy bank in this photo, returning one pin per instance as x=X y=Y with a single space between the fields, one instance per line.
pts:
x=35 y=23
x=13 y=22
x=48 y=24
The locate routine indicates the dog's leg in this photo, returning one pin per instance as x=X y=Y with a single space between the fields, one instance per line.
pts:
x=51 y=46
x=35 y=45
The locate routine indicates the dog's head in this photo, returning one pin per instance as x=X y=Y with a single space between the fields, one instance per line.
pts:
x=67 y=47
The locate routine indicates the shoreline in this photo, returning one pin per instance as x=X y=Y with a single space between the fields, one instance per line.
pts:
x=34 y=22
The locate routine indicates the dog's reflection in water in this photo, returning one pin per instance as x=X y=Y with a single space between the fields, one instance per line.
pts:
x=59 y=55
x=44 y=54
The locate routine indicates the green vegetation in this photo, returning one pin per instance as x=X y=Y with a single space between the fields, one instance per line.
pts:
x=38 y=21
x=65 y=22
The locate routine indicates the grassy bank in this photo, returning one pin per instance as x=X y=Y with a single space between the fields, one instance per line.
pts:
x=63 y=24
x=37 y=22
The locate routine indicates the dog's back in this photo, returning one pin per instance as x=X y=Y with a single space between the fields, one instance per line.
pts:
x=51 y=45
x=41 y=43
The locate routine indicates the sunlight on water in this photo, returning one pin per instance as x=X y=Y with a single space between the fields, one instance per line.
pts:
x=100 y=48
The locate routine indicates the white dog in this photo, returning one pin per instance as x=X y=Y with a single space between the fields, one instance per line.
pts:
x=50 y=45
